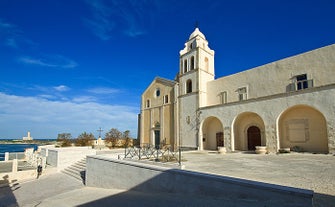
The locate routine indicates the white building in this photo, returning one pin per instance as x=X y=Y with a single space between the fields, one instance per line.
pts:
x=285 y=104
x=28 y=137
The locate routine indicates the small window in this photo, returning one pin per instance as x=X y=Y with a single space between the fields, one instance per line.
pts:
x=193 y=45
x=192 y=63
x=242 y=94
x=158 y=92
x=148 y=103
x=223 y=97
x=166 y=99
x=185 y=66
x=299 y=82
x=189 y=86
x=302 y=81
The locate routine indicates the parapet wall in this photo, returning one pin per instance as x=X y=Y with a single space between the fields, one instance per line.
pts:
x=129 y=175
x=64 y=157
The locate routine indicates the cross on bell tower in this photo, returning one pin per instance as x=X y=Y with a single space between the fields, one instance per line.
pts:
x=100 y=130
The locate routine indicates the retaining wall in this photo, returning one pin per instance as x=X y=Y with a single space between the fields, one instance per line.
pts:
x=64 y=157
x=130 y=175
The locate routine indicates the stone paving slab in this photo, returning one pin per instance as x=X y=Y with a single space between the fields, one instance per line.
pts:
x=33 y=192
x=300 y=170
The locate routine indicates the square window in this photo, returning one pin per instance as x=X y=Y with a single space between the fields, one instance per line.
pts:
x=242 y=94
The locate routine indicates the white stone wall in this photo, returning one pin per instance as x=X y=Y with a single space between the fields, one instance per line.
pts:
x=188 y=122
x=270 y=109
x=66 y=156
x=273 y=78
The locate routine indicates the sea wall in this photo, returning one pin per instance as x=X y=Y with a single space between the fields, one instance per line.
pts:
x=129 y=175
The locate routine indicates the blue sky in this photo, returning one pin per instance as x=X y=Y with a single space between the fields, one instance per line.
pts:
x=75 y=66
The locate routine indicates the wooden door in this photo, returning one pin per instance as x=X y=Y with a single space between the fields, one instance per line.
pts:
x=254 y=137
x=219 y=139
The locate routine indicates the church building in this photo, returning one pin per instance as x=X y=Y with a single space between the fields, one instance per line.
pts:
x=284 y=104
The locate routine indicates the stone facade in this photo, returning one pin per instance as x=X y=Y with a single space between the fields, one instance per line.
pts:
x=285 y=104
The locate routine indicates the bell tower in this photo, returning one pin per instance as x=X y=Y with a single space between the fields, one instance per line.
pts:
x=195 y=70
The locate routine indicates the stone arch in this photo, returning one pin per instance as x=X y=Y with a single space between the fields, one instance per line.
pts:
x=189 y=86
x=212 y=133
x=244 y=122
x=303 y=127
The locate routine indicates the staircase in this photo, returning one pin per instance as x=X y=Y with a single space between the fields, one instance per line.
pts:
x=77 y=170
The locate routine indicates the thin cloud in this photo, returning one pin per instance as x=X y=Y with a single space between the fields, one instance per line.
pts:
x=11 y=42
x=47 y=118
x=51 y=61
x=61 y=88
x=5 y=25
x=50 y=92
x=48 y=96
x=132 y=18
x=12 y=36
x=84 y=99
x=100 y=23
x=103 y=90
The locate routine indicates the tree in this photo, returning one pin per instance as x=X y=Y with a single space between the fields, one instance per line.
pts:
x=65 y=139
x=85 y=139
x=126 y=136
x=112 y=136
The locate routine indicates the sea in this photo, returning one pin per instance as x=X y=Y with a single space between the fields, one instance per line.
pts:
x=14 y=148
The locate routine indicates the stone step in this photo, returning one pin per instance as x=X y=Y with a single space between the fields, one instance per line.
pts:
x=77 y=170
x=74 y=171
x=77 y=175
x=80 y=164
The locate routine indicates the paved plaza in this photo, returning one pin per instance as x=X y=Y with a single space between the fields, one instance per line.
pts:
x=308 y=171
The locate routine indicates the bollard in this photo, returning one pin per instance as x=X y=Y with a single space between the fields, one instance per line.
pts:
x=139 y=153
x=14 y=166
x=6 y=156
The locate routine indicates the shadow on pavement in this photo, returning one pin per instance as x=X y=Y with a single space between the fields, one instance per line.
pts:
x=186 y=188
x=7 y=197
x=323 y=200
x=134 y=198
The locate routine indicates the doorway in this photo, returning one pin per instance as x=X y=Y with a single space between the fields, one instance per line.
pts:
x=157 y=138
x=219 y=139
x=254 y=137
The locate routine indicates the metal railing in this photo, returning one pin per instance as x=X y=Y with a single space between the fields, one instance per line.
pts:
x=150 y=152
x=16 y=155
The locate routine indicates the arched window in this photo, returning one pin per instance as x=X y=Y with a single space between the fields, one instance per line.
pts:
x=185 y=66
x=192 y=62
x=188 y=86
x=148 y=103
